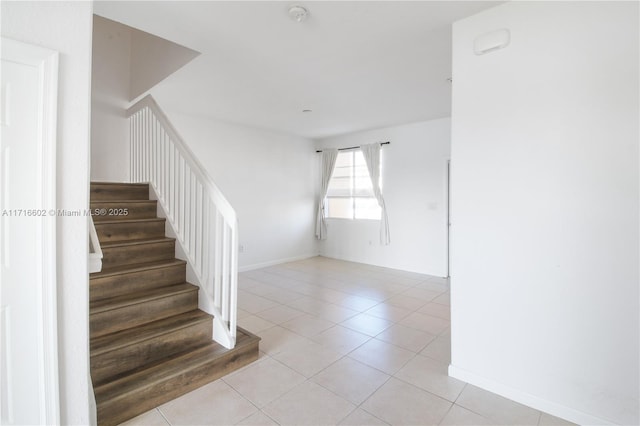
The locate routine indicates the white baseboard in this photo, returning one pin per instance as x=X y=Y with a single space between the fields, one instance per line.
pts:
x=395 y=267
x=555 y=409
x=246 y=268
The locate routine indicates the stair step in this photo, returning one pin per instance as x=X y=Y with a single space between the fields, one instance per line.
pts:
x=149 y=342
x=102 y=191
x=118 y=253
x=126 y=279
x=136 y=393
x=131 y=229
x=123 y=209
x=129 y=349
x=131 y=310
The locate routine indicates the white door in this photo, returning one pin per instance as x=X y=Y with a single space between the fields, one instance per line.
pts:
x=28 y=358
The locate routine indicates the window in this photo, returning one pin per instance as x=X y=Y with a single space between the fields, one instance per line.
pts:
x=350 y=195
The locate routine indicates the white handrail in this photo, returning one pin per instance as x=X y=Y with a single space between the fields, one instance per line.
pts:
x=95 y=251
x=204 y=222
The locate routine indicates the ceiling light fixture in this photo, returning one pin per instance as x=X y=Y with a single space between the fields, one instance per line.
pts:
x=298 y=13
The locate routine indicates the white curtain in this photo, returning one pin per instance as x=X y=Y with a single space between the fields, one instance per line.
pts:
x=371 y=155
x=328 y=162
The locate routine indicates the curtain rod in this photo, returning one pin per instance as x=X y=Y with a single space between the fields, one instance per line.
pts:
x=356 y=147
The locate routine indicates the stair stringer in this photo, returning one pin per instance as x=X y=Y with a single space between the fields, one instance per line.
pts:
x=205 y=300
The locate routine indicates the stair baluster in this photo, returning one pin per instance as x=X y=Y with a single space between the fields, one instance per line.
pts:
x=204 y=222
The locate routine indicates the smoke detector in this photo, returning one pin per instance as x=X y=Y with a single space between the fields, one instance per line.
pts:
x=298 y=13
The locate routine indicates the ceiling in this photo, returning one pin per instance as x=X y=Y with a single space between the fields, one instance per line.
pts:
x=357 y=65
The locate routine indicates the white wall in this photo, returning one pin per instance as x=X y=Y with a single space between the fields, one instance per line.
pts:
x=66 y=27
x=545 y=208
x=109 y=100
x=267 y=177
x=414 y=172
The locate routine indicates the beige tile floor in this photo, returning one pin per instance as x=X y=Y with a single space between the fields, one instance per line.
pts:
x=344 y=344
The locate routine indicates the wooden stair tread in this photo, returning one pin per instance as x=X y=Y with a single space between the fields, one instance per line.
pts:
x=118 y=184
x=121 y=388
x=110 y=342
x=122 y=201
x=104 y=305
x=122 y=243
x=100 y=191
x=137 y=267
x=122 y=221
x=114 y=210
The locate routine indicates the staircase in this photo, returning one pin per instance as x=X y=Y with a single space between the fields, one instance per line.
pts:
x=149 y=341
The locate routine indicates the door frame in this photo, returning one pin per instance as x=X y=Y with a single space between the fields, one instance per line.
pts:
x=448 y=179
x=46 y=61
